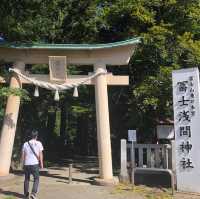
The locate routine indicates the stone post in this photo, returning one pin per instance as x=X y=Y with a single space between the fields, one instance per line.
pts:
x=9 y=125
x=103 y=125
x=124 y=172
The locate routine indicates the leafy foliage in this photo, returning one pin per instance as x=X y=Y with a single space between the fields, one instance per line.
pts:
x=170 y=32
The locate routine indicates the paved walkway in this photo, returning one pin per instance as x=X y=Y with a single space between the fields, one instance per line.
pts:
x=55 y=185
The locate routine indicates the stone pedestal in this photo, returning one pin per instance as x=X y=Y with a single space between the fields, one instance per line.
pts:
x=103 y=182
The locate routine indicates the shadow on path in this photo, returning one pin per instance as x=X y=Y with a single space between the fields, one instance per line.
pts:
x=66 y=179
x=88 y=165
x=11 y=193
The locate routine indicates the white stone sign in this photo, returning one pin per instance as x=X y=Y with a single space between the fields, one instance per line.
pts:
x=132 y=136
x=186 y=102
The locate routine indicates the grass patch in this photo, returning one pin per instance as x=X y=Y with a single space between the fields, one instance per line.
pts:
x=146 y=192
x=9 y=197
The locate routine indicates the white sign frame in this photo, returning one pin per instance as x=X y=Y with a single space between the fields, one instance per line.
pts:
x=132 y=136
x=165 y=131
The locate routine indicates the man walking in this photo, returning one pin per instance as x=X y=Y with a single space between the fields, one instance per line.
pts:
x=32 y=157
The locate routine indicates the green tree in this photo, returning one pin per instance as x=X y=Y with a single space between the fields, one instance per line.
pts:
x=170 y=32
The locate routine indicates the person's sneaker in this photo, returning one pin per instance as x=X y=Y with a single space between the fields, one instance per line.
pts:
x=33 y=196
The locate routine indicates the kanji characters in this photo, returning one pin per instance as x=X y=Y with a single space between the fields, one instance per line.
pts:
x=186 y=163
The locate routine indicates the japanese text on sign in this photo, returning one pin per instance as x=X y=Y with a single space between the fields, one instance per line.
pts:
x=186 y=112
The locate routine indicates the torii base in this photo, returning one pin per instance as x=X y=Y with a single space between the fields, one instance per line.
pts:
x=103 y=182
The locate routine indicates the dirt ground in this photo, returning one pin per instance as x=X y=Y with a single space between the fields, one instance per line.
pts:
x=54 y=185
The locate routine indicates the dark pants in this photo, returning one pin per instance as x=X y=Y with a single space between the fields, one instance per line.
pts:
x=28 y=170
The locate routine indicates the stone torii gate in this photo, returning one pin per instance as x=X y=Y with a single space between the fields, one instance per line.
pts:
x=99 y=55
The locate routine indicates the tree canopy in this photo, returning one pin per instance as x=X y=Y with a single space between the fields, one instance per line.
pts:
x=170 y=32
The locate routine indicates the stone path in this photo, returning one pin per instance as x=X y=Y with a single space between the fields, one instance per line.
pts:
x=54 y=185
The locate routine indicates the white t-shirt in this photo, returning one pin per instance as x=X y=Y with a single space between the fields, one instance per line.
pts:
x=30 y=158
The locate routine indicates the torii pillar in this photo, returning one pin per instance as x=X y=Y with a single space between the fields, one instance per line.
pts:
x=9 y=125
x=103 y=125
